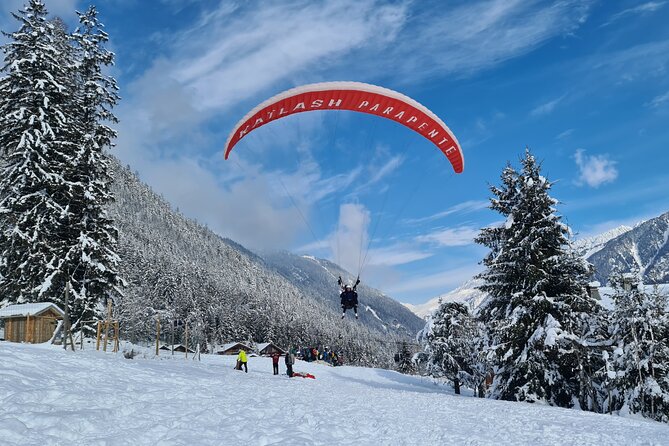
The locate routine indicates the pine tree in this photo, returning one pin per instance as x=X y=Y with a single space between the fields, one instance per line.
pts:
x=92 y=237
x=55 y=182
x=497 y=277
x=36 y=142
x=640 y=359
x=450 y=344
x=406 y=364
x=538 y=305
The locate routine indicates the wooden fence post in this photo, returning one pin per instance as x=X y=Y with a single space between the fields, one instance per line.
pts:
x=28 y=336
x=97 y=337
x=186 y=340
x=157 y=336
x=116 y=343
x=107 y=323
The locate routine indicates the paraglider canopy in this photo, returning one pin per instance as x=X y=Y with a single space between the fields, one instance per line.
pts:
x=353 y=96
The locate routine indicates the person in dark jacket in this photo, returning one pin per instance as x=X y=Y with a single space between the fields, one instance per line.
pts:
x=349 y=297
x=275 y=362
x=290 y=360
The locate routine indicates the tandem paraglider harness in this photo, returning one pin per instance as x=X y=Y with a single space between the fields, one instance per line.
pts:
x=349 y=297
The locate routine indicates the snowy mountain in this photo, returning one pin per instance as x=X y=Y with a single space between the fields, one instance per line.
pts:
x=467 y=293
x=318 y=278
x=646 y=246
x=96 y=398
x=586 y=247
x=178 y=269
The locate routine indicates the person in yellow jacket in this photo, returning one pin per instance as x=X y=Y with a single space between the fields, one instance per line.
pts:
x=241 y=360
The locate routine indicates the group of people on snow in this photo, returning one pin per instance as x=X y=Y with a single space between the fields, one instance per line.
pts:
x=349 y=300
x=307 y=354
x=321 y=353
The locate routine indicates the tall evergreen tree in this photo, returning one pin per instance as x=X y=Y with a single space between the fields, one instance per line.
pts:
x=36 y=142
x=55 y=184
x=538 y=305
x=450 y=344
x=91 y=234
x=639 y=329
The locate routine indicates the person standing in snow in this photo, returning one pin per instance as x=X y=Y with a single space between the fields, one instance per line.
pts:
x=290 y=360
x=349 y=297
x=275 y=362
x=241 y=360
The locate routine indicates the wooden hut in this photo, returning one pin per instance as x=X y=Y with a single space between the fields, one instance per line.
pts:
x=268 y=349
x=233 y=348
x=33 y=323
x=177 y=348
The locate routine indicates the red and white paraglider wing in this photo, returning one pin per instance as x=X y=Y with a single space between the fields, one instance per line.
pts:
x=353 y=96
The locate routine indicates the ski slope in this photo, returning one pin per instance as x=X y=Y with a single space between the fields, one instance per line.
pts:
x=52 y=397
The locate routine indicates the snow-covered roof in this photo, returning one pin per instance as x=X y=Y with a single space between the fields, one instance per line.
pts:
x=264 y=345
x=229 y=345
x=32 y=309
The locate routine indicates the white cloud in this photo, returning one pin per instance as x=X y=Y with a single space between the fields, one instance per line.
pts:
x=350 y=240
x=644 y=8
x=460 y=208
x=595 y=170
x=476 y=36
x=398 y=254
x=460 y=236
x=438 y=283
x=239 y=55
x=547 y=107
x=565 y=134
x=643 y=61
x=660 y=100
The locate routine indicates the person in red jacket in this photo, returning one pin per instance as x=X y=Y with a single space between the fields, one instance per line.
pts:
x=275 y=362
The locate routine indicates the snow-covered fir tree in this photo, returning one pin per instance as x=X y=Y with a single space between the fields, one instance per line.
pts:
x=54 y=185
x=538 y=309
x=36 y=140
x=451 y=344
x=405 y=356
x=92 y=235
x=639 y=329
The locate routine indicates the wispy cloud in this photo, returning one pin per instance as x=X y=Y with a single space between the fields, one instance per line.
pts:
x=643 y=61
x=547 y=107
x=459 y=236
x=644 y=8
x=387 y=168
x=476 y=36
x=397 y=254
x=595 y=170
x=567 y=133
x=437 y=283
x=460 y=208
x=351 y=236
x=659 y=101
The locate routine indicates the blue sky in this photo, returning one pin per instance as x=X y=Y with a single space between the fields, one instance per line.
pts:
x=584 y=84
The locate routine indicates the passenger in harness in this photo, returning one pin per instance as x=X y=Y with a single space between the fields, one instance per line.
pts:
x=349 y=297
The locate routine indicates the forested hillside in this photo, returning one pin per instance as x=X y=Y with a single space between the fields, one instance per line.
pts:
x=176 y=268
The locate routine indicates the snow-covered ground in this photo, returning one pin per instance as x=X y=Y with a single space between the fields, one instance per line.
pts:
x=52 y=397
